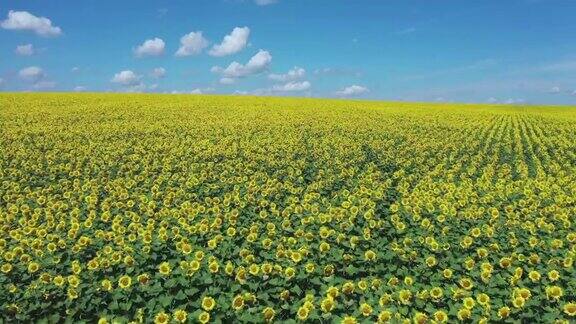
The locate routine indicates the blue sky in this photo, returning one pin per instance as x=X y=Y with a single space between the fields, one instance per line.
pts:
x=511 y=51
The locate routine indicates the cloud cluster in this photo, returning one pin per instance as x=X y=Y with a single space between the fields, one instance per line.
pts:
x=202 y=90
x=353 y=90
x=151 y=47
x=509 y=101
x=32 y=74
x=295 y=73
x=126 y=78
x=257 y=64
x=293 y=86
x=129 y=81
x=232 y=43
x=158 y=73
x=265 y=2
x=36 y=76
x=192 y=43
x=23 y=20
x=25 y=50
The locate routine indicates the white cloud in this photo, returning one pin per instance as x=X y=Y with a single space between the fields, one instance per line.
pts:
x=23 y=20
x=233 y=43
x=151 y=47
x=25 y=50
x=192 y=44
x=79 y=88
x=557 y=67
x=337 y=72
x=75 y=69
x=292 y=86
x=265 y=2
x=405 y=31
x=257 y=64
x=201 y=90
x=509 y=101
x=353 y=90
x=227 y=81
x=294 y=74
x=512 y=101
x=44 y=85
x=32 y=74
x=555 y=90
x=158 y=72
x=126 y=78
x=1 y=82
x=140 y=87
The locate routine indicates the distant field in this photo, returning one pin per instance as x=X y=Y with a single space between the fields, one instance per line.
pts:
x=248 y=209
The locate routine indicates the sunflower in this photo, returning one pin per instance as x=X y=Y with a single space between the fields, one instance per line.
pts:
x=534 y=276
x=466 y=283
x=405 y=296
x=254 y=269
x=208 y=303
x=229 y=268
x=324 y=247
x=164 y=268
x=524 y=293
x=194 y=266
x=348 y=288
x=204 y=317
x=554 y=293
x=469 y=302
x=143 y=278
x=327 y=304
x=186 y=248
x=238 y=302
x=570 y=309
x=59 y=281
x=33 y=267
x=483 y=299
x=431 y=261
x=440 y=316
x=436 y=293
x=289 y=272
x=362 y=285
x=72 y=293
x=409 y=281
x=213 y=267
x=180 y=315
x=303 y=313
x=463 y=314
x=505 y=262
x=369 y=255
x=365 y=309
x=124 y=282
x=268 y=314
x=332 y=292
x=6 y=267
x=553 y=275
x=385 y=316
x=296 y=256
x=348 y=320
x=420 y=318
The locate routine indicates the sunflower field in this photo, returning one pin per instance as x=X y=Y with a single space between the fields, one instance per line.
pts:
x=119 y=208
